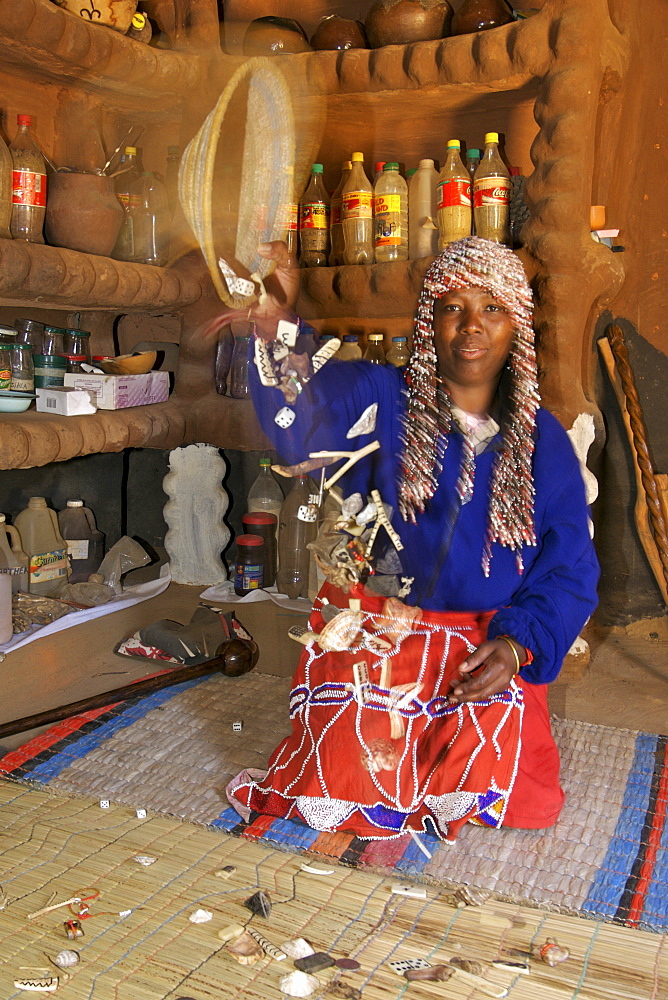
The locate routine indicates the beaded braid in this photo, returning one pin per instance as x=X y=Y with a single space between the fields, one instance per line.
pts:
x=427 y=421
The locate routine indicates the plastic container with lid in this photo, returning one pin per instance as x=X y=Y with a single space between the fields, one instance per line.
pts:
x=15 y=557
x=491 y=194
x=264 y=525
x=74 y=363
x=29 y=331
x=357 y=215
x=49 y=370
x=454 y=198
x=23 y=370
x=53 y=340
x=6 y=351
x=350 y=349
x=422 y=211
x=85 y=544
x=374 y=349
x=77 y=342
x=249 y=567
x=314 y=222
x=44 y=546
x=265 y=494
x=398 y=353
x=390 y=215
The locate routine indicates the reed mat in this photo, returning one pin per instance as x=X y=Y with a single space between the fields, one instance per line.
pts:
x=175 y=751
x=139 y=943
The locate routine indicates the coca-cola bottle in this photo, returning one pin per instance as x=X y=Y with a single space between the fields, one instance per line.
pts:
x=491 y=194
x=454 y=198
x=28 y=185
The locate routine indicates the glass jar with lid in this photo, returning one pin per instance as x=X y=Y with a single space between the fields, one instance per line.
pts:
x=74 y=363
x=6 y=365
x=53 y=341
x=30 y=331
x=77 y=342
x=49 y=370
x=23 y=370
x=374 y=349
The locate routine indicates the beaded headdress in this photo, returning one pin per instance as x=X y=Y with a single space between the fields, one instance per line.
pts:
x=427 y=421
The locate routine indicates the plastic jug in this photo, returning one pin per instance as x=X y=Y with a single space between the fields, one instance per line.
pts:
x=85 y=544
x=10 y=546
x=422 y=211
x=45 y=547
x=6 y=631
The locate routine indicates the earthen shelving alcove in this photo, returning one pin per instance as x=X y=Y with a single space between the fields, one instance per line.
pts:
x=544 y=83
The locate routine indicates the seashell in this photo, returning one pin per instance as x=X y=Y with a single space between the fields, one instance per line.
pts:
x=382 y=755
x=298 y=984
x=297 y=948
x=366 y=423
x=397 y=620
x=552 y=954
x=225 y=872
x=200 y=917
x=470 y=896
x=245 y=949
x=468 y=965
x=66 y=958
x=342 y=632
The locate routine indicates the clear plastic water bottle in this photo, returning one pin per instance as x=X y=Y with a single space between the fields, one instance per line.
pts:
x=265 y=494
x=390 y=215
x=399 y=353
x=297 y=526
x=374 y=349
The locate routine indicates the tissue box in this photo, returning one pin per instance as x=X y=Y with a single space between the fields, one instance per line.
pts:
x=65 y=401
x=114 y=392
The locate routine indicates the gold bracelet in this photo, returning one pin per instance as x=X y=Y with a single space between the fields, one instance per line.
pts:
x=506 y=638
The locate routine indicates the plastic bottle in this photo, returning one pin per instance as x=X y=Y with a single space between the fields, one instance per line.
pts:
x=422 y=209
x=378 y=169
x=224 y=349
x=357 y=215
x=85 y=544
x=238 y=376
x=297 y=526
x=265 y=494
x=6 y=186
x=335 y=225
x=454 y=198
x=6 y=577
x=290 y=226
x=491 y=194
x=172 y=178
x=28 y=185
x=519 y=211
x=45 y=547
x=249 y=566
x=472 y=161
x=390 y=221
x=314 y=222
x=350 y=349
x=150 y=221
x=374 y=349
x=399 y=353
x=124 y=188
x=15 y=557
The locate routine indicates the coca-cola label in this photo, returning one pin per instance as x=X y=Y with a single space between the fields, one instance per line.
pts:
x=454 y=193
x=28 y=188
x=314 y=216
x=491 y=191
x=357 y=205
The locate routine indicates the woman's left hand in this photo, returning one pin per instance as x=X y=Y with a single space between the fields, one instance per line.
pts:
x=494 y=666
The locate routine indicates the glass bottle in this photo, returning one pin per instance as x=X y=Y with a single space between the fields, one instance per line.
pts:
x=29 y=331
x=238 y=377
x=265 y=495
x=350 y=349
x=399 y=353
x=422 y=211
x=472 y=161
x=454 y=198
x=78 y=342
x=335 y=224
x=150 y=221
x=23 y=370
x=357 y=215
x=297 y=526
x=390 y=216
x=6 y=186
x=124 y=188
x=314 y=222
x=85 y=544
x=28 y=185
x=172 y=178
x=6 y=351
x=374 y=349
x=491 y=194
x=53 y=340
x=224 y=350
x=46 y=548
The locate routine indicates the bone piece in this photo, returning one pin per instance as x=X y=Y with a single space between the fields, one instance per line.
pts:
x=302 y=468
x=437 y=973
x=286 y=332
x=264 y=363
x=366 y=423
x=415 y=891
x=361 y=681
x=312 y=870
x=267 y=947
x=480 y=984
x=323 y=355
x=403 y=965
x=47 y=985
x=468 y=965
x=231 y=931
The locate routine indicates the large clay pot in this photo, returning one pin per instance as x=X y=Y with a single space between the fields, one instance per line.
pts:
x=398 y=22
x=479 y=15
x=82 y=213
x=271 y=36
x=336 y=32
x=116 y=14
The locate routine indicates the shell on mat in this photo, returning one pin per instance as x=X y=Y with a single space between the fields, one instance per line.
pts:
x=298 y=984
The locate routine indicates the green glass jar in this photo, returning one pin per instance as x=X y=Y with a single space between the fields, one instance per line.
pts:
x=6 y=366
x=49 y=370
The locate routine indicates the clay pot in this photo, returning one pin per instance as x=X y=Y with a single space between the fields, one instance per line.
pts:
x=116 y=14
x=271 y=36
x=336 y=32
x=479 y=15
x=398 y=22
x=82 y=213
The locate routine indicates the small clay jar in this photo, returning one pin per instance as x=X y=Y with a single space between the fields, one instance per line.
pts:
x=336 y=32
x=82 y=212
x=479 y=15
x=398 y=22
x=271 y=36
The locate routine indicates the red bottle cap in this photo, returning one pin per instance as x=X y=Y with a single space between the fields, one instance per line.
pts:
x=23 y=119
x=250 y=540
x=259 y=517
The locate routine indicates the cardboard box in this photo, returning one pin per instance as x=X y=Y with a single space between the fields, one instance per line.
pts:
x=114 y=392
x=65 y=400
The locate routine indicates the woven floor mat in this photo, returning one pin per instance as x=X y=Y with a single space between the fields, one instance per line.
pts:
x=139 y=943
x=175 y=751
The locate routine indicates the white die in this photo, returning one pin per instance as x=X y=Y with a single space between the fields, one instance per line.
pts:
x=237 y=727
x=285 y=417
x=105 y=804
x=140 y=813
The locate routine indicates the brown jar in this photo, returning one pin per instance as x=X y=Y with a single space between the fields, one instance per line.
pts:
x=341 y=33
x=479 y=15
x=399 y=22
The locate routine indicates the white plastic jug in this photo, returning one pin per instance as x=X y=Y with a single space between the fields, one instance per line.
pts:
x=10 y=545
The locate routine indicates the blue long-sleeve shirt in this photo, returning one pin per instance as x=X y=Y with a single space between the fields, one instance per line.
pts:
x=545 y=607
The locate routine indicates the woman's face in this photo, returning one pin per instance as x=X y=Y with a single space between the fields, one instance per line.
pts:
x=472 y=336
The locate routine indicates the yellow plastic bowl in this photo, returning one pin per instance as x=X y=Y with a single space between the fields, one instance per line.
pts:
x=129 y=364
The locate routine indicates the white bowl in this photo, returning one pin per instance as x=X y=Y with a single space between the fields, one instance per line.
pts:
x=15 y=402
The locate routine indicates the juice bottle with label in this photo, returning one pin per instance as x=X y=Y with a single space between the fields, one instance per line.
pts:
x=28 y=185
x=314 y=222
x=422 y=211
x=335 y=225
x=454 y=198
x=6 y=188
x=491 y=194
x=357 y=215
x=85 y=544
x=45 y=547
x=390 y=198
x=15 y=557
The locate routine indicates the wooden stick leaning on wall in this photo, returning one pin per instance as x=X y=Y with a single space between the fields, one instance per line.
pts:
x=651 y=508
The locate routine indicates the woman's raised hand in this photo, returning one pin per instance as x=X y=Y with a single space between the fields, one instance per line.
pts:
x=487 y=671
x=282 y=287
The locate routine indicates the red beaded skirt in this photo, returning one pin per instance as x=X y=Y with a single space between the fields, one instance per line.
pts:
x=382 y=751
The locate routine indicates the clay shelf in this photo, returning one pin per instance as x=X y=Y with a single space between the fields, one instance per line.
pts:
x=52 y=277
x=374 y=290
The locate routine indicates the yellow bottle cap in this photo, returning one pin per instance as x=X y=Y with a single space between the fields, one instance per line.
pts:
x=346 y=165
x=358 y=158
x=491 y=137
x=130 y=150
x=454 y=144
